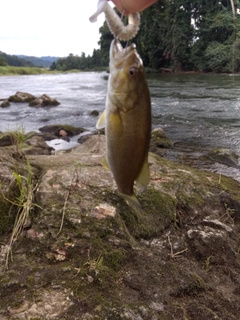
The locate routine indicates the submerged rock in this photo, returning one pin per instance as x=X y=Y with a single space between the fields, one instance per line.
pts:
x=225 y=156
x=53 y=131
x=94 y=113
x=88 y=254
x=5 y=104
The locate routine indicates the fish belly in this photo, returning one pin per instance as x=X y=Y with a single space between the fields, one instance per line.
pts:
x=127 y=148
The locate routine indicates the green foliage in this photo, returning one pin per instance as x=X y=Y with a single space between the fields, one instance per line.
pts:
x=83 y=62
x=10 y=70
x=3 y=62
x=217 y=57
x=14 y=60
x=186 y=35
x=181 y=35
x=18 y=138
x=24 y=203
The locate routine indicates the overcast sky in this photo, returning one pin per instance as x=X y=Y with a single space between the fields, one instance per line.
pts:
x=48 y=27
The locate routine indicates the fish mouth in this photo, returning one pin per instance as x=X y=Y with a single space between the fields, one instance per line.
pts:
x=117 y=51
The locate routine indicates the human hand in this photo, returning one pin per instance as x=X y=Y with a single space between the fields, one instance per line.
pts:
x=133 y=6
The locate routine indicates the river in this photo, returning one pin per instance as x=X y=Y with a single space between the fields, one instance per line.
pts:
x=196 y=109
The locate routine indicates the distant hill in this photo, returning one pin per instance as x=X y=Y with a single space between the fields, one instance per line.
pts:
x=44 y=62
x=15 y=61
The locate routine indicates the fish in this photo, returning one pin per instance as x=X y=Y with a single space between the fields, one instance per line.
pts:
x=115 y=24
x=127 y=121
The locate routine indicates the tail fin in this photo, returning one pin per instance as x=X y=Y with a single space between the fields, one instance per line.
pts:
x=131 y=198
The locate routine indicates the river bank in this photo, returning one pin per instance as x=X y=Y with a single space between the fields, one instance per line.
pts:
x=83 y=253
x=13 y=71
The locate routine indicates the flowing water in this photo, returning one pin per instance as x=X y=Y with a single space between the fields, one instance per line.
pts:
x=202 y=110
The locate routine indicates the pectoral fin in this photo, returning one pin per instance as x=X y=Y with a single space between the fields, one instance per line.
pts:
x=101 y=121
x=143 y=177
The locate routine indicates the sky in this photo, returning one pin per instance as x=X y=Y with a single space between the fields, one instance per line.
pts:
x=49 y=27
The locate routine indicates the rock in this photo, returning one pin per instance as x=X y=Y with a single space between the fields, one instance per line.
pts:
x=159 y=140
x=225 y=156
x=44 y=101
x=84 y=137
x=89 y=255
x=21 y=97
x=36 y=145
x=30 y=143
x=58 y=130
x=62 y=133
x=6 y=139
x=5 y=104
x=94 y=113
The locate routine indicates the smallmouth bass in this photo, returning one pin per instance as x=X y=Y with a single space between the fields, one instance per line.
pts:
x=127 y=121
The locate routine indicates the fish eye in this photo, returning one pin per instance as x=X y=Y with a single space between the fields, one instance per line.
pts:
x=132 y=72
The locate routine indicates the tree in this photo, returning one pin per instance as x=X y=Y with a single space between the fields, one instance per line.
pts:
x=3 y=62
x=216 y=34
x=177 y=34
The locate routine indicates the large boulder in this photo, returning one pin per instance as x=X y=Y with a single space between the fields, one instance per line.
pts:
x=21 y=97
x=44 y=101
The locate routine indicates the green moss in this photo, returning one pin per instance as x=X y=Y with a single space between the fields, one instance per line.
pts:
x=193 y=286
x=115 y=258
x=6 y=221
x=231 y=186
x=157 y=213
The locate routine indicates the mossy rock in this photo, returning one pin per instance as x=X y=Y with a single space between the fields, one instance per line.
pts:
x=159 y=139
x=55 y=129
x=21 y=97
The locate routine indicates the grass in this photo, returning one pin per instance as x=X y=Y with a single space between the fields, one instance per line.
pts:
x=18 y=138
x=75 y=179
x=24 y=203
x=10 y=70
x=26 y=188
x=14 y=71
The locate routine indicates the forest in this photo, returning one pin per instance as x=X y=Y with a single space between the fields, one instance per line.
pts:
x=12 y=60
x=179 y=35
x=174 y=36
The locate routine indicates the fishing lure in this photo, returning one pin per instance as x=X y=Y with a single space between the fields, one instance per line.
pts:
x=115 y=24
